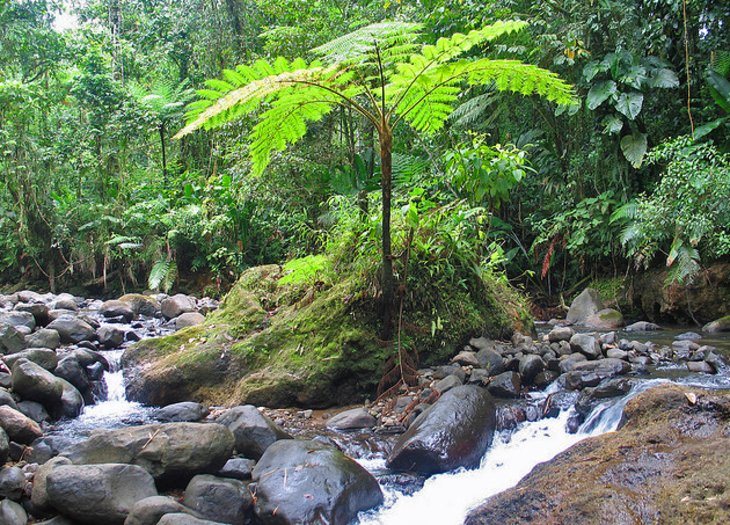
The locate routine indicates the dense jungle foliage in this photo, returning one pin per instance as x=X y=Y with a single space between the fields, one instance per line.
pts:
x=630 y=172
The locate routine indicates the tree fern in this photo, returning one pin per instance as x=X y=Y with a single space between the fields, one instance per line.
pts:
x=163 y=275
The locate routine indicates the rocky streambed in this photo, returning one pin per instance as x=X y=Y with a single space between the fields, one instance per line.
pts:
x=76 y=451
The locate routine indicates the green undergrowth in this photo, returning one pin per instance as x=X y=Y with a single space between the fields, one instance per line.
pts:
x=305 y=335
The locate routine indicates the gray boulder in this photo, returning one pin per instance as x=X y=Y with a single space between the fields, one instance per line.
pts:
x=605 y=319
x=71 y=370
x=491 y=360
x=6 y=398
x=237 y=468
x=4 y=446
x=719 y=325
x=465 y=358
x=19 y=427
x=141 y=304
x=110 y=336
x=44 y=338
x=642 y=326
x=35 y=383
x=506 y=384
x=560 y=333
x=189 y=411
x=117 y=309
x=95 y=494
x=12 y=513
x=604 y=368
x=172 y=452
x=39 y=494
x=184 y=519
x=188 y=319
x=73 y=330
x=17 y=319
x=585 y=305
x=353 y=419
x=253 y=431
x=12 y=483
x=447 y=383
x=530 y=366
x=218 y=499
x=290 y=485
x=43 y=357
x=177 y=305
x=586 y=344
x=39 y=311
x=454 y=432
x=11 y=340
x=148 y=511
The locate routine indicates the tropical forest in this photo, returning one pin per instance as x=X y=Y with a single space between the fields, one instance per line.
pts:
x=378 y=262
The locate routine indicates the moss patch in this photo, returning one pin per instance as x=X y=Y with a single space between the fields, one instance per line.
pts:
x=293 y=335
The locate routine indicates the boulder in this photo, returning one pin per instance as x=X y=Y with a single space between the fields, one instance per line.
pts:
x=560 y=333
x=18 y=319
x=43 y=357
x=6 y=398
x=35 y=383
x=702 y=367
x=72 y=402
x=530 y=366
x=19 y=427
x=184 y=519
x=604 y=368
x=148 y=511
x=585 y=305
x=218 y=499
x=12 y=483
x=186 y=411
x=141 y=304
x=65 y=303
x=94 y=494
x=117 y=309
x=454 y=432
x=188 y=319
x=719 y=325
x=237 y=468
x=29 y=296
x=465 y=358
x=253 y=431
x=12 y=513
x=73 y=330
x=11 y=340
x=586 y=344
x=71 y=370
x=447 y=383
x=39 y=495
x=353 y=419
x=290 y=485
x=172 y=452
x=506 y=384
x=4 y=446
x=642 y=326
x=39 y=311
x=110 y=336
x=44 y=338
x=605 y=319
x=177 y=305
x=491 y=361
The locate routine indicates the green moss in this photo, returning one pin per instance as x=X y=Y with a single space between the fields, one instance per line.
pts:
x=279 y=340
x=610 y=289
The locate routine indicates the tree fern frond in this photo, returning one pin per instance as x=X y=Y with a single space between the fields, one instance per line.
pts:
x=628 y=211
x=360 y=44
x=474 y=110
x=407 y=167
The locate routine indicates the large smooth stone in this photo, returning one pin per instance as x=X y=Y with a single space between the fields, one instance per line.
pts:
x=188 y=319
x=148 y=511
x=72 y=330
x=110 y=336
x=530 y=366
x=606 y=319
x=117 y=309
x=172 y=452
x=12 y=513
x=184 y=519
x=97 y=494
x=301 y=482
x=604 y=368
x=719 y=325
x=491 y=361
x=254 y=432
x=19 y=427
x=12 y=483
x=642 y=326
x=4 y=446
x=352 y=419
x=33 y=382
x=39 y=311
x=586 y=344
x=585 y=305
x=180 y=412
x=44 y=338
x=454 y=432
x=141 y=304
x=11 y=340
x=506 y=384
x=176 y=305
x=44 y=357
x=17 y=319
x=218 y=499
x=39 y=494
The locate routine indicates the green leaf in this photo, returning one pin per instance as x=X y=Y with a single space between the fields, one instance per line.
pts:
x=592 y=68
x=612 y=124
x=664 y=78
x=629 y=104
x=599 y=93
x=634 y=148
x=708 y=128
x=719 y=89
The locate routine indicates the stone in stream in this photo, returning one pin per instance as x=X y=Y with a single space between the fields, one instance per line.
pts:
x=353 y=419
x=186 y=411
x=719 y=325
x=38 y=494
x=39 y=311
x=702 y=367
x=141 y=304
x=219 y=499
x=18 y=319
x=560 y=333
x=172 y=452
x=569 y=362
x=35 y=383
x=44 y=357
x=237 y=468
x=4 y=446
x=12 y=513
x=586 y=344
x=44 y=338
x=12 y=483
x=506 y=384
x=18 y=427
x=117 y=309
x=148 y=511
x=94 y=494
x=604 y=368
x=491 y=361
x=188 y=319
x=447 y=383
x=606 y=319
x=71 y=370
x=184 y=519
x=73 y=330
x=454 y=432
x=11 y=340
x=253 y=431
x=176 y=305
x=65 y=304
x=110 y=336
x=309 y=482
x=466 y=358
x=530 y=366
x=586 y=304
x=642 y=326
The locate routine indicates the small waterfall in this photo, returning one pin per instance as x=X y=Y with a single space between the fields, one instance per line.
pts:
x=445 y=499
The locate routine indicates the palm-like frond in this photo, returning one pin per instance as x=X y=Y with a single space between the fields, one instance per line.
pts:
x=393 y=40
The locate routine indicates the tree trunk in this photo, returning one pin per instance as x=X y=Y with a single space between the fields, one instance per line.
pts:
x=388 y=282
x=164 y=153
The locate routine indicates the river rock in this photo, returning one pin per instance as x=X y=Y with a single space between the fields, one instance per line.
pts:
x=604 y=368
x=290 y=478
x=465 y=358
x=18 y=427
x=110 y=336
x=237 y=468
x=605 y=319
x=454 y=432
x=43 y=357
x=184 y=519
x=65 y=303
x=11 y=340
x=700 y=367
x=18 y=319
x=177 y=305
x=88 y=357
x=29 y=296
x=447 y=383
x=12 y=513
x=148 y=511
x=586 y=344
x=560 y=333
x=44 y=338
x=172 y=452
x=353 y=419
x=71 y=370
x=186 y=411
x=188 y=319
x=6 y=398
x=253 y=431
x=73 y=330
x=506 y=384
x=39 y=311
x=33 y=382
x=719 y=325
x=94 y=494
x=491 y=361
x=655 y=469
x=12 y=483
x=141 y=304
x=642 y=326
x=585 y=305
x=4 y=446
x=72 y=402
x=39 y=495
x=35 y=411
x=530 y=366
x=117 y=309
x=218 y=499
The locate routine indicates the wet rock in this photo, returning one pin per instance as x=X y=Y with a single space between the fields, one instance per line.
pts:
x=188 y=319
x=441 y=372
x=35 y=383
x=6 y=398
x=115 y=309
x=689 y=336
x=148 y=511
x=479 y=376
x=102 y=493
x=447 y=383
x=44 y=338
x=491 y=361
x=604 y=368
x=110 y=336
x=530 y=366
x=702 y=367
x=608 y=338
x=184 y=519
x=39 y=311
x=12 y=513
x=585 y=305
x=218 y=499
x=579 y=379
x=560 y=333
x=72 y=402
x=642 y=326
x=568 y=363
x=35 y=411
x=544 y=378
x=615 y=353
x=186 y=411
x=354 y=419
x=289 y=485
x=18 y=319
x=65 y=303
x=43 y=357
x=237 y=468
x=506 y=384
x=605 y=319
x=454 y=432
x=482 y=343
x=11 y=340
x=177 y=305
x=586 y=344
x=719 y=325
x=47 y=447
x=73 y=330
x=253 y=431
x=141 y=304
x=466 y=358
x=18 y=427
x=71 y=370
x=39 y=494
x=172 y=452
x=88 y=357
x=12 y=483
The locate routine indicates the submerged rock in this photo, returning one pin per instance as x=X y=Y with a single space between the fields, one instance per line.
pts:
x=454 y=432
x=309 y=482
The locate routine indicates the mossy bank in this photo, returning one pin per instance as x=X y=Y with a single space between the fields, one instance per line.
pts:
x=301 y=335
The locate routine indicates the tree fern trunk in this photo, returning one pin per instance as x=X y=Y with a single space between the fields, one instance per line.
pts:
x=388 y=283
x=164 y=153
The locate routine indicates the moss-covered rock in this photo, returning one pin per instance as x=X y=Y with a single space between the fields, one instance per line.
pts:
x=668 y=464
x=301 y=335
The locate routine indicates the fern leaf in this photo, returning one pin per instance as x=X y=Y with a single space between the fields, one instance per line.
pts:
x=158 y=273
x=359 y=46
